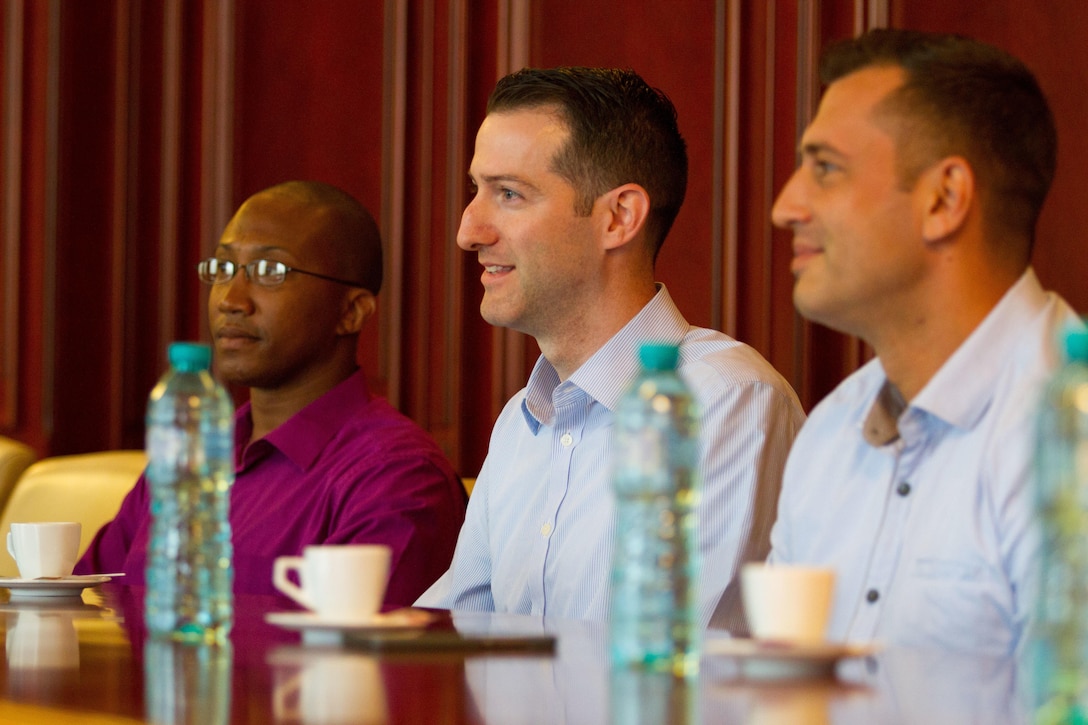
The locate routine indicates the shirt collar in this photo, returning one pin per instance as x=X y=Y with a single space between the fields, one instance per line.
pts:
x=961 y=390
x=303 y=436
x=606 y=374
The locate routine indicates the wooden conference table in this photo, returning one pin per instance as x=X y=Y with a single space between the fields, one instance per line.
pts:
x=88 y=662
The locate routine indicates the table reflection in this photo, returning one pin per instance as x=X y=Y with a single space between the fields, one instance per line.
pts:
x=327 y=685
x=78 y=660
x=41 y=639
x=187 y=683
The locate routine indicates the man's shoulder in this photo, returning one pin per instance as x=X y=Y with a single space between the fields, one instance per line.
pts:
x=709 y=358
x=380 y=422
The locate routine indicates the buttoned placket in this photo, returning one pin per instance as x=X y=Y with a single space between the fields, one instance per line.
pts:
x=877 y=587
x=566 y=432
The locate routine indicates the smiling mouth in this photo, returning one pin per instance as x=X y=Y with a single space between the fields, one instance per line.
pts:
x=496 y=268
x=801 y=259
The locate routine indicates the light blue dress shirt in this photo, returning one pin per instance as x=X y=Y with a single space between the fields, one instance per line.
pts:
x=930 y=532
x=538 y=535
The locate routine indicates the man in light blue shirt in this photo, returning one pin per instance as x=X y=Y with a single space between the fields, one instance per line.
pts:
x=913 y=213
x=579 y=174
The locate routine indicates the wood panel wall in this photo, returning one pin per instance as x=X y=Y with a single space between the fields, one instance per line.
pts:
x=131 y=129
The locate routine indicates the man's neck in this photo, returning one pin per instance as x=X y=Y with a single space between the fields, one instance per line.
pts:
x=568 y=348
x=911 y=353
x=271 y=408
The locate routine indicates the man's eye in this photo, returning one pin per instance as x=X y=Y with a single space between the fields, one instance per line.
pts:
x=509 y=194
x=822 y=168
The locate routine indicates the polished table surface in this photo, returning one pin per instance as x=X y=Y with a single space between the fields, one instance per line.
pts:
x=88 y=662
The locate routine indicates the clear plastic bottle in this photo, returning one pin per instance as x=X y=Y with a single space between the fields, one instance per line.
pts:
x=190 y=439
x=655 y=566
x=1061 y=472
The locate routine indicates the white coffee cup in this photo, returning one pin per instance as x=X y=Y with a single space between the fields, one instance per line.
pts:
x=341 y=583
x=44 y=549
x=787 y=603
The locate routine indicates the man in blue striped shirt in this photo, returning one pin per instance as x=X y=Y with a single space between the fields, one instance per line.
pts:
x=579 y=174
x=913 y=213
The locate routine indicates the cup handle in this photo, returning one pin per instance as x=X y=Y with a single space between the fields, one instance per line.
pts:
x=280 y=569
x=11 y=547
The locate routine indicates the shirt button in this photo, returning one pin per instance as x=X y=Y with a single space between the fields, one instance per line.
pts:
x=545 y=529
x=567 y=439
x=872 y=595
x=903 y=489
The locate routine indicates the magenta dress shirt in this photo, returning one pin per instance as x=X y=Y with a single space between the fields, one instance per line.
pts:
x=348 y=468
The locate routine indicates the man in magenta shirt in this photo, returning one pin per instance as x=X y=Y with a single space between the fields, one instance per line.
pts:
x=318 y=459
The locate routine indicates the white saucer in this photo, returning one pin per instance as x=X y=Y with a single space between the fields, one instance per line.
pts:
x=320 y=630
x=767 y=660
x=69 y=586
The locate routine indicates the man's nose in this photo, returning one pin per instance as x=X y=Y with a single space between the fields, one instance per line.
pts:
x=789 y=208
x=476 y=229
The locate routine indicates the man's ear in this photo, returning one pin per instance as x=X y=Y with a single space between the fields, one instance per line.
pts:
x=359 y=305
x=948 y=192
x=627 y=207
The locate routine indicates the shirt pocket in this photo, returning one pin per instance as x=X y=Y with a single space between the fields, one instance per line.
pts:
x=959 y=605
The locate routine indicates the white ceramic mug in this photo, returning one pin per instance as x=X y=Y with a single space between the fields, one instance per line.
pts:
x=787 y=603
x=337 y=582
x=44 y=549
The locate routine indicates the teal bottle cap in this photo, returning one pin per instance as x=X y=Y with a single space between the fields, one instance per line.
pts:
x=189 y=356
x=1076 y=344
x=658 y=355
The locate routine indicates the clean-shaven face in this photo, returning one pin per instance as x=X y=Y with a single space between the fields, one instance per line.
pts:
x=858 y=250
x=540 y=262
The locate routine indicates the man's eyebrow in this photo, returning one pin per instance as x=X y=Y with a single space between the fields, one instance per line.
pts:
x=261 y=249
x=492 y=179
x=814 y=148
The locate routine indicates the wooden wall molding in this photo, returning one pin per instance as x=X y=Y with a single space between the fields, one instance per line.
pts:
x=10 y=213
x=394 y=105
x=50 y=168
x=169 y=176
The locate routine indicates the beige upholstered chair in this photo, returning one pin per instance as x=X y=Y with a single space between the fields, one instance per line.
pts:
x=87 y=487
x=14 y=458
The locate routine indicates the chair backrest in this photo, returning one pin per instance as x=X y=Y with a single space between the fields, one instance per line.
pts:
x=86 y=487
x=14 y=459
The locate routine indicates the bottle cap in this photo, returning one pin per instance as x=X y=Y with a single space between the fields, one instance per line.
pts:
x=658 y=355
x=189 y=356
x=1076 y=344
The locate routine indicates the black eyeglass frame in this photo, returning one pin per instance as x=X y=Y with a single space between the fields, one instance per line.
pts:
x=230 y=269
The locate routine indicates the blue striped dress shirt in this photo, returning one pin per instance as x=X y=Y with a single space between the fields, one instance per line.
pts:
x=538 y=535
x=928 y=519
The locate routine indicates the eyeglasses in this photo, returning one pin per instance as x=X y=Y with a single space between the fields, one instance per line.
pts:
x=265 y=272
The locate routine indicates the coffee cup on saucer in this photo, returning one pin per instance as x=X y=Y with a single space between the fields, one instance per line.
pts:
x=787 y=603
x=44 y=550
x=337 y=582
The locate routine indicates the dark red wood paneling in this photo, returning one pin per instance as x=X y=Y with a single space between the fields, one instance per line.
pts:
x=1050 y=38
x=308 y=105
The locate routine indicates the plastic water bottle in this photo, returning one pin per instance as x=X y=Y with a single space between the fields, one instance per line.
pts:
x=190 y=439
x=1061 y=468
x=653 y=618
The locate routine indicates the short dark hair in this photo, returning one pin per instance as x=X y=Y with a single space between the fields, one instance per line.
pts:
x=621 y=131
x=962 y=96
x=353 y=232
